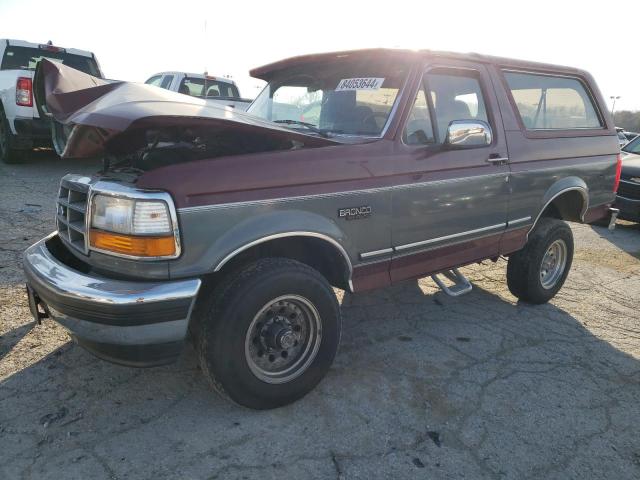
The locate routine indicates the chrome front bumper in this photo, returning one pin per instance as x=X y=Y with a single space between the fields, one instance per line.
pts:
x=138 y=323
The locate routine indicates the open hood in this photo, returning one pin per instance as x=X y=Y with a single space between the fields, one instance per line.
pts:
x=93 y=117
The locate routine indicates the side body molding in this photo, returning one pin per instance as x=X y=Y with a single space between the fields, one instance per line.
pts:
x=238 y=229
x=275 y=236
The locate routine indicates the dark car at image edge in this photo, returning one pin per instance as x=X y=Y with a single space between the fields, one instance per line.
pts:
x=628 y=195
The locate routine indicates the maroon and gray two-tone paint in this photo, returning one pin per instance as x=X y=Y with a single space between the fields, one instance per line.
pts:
x=274 y=190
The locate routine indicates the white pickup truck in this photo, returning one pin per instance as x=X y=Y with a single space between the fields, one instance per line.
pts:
x=215 y=90
x=21 y=127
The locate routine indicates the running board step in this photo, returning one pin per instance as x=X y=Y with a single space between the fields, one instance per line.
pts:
x=461 y=284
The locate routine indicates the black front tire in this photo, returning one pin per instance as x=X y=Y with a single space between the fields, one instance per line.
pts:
x=525 y=267
x=227 y=314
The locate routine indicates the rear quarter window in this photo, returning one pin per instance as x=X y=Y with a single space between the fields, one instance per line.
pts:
x=547 y=102
x=155 y=80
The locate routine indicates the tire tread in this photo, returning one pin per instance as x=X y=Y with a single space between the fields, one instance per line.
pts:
x=522 y=268
x=211 y=308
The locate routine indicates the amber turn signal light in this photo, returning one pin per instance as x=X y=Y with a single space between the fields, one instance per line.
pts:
x=159 y=246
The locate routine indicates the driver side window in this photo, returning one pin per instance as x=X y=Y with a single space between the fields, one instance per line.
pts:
x=419 y=130
x=456 y=95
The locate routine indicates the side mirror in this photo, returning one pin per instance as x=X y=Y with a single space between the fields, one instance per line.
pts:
x=468 y=133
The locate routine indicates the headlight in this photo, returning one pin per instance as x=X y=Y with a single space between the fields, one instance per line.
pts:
x=132 y=227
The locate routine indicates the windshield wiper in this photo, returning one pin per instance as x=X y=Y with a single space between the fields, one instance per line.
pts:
x=310 y=126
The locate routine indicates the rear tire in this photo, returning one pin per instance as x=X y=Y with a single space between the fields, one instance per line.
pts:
x=268 y=333
x=537 y=272
x=7 y=153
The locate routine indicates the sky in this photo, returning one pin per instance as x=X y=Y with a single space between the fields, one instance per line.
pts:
x=135 y=39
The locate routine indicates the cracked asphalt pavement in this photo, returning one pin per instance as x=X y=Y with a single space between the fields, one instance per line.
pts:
x=423 y=386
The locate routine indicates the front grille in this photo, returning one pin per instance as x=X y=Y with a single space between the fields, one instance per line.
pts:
x=629 y=189
x=71 y=212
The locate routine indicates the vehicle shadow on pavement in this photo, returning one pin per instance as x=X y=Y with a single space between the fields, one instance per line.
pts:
x=9 y=339
x=38 y=155
x=423 y=384
x=626 y=236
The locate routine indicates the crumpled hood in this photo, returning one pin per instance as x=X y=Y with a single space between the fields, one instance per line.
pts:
x=98 y=116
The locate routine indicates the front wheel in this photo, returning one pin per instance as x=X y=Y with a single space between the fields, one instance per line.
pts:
x=537 y=272
x=268 y=334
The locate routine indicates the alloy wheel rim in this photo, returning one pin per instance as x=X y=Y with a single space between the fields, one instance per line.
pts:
x=553 y=264
x=283 y=339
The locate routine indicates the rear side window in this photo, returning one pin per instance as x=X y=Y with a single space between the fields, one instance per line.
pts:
x=155 y=80
x=548 y=102
x=208 y=88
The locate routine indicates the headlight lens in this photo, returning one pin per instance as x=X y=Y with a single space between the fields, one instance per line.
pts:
x=134 y=227
x=133 y=217
x=112 y=214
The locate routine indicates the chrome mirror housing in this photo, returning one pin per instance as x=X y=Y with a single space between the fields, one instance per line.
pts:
x=468 y=133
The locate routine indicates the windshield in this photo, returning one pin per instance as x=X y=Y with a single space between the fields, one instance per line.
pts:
x=633 y=146
x=341 y=96
x=208 y=88
x=26 y=58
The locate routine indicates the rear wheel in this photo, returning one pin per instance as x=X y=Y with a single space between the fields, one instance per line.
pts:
x=268 y=333
x=537 y=272
x=7 y=153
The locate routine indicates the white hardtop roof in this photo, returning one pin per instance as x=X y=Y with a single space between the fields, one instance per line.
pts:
x=23 y=43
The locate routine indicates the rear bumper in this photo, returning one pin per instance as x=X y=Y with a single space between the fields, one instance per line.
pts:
x=629 y=208
x=127 y=322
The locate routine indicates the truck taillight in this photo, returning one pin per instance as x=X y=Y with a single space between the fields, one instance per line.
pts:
x=616 y=183
x=24 y=92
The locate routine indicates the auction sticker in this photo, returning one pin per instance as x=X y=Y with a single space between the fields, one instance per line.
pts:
x=367 y=83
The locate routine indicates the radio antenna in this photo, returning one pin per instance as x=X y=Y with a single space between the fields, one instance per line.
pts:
x=205 y=47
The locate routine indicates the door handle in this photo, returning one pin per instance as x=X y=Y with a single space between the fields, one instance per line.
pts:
x=496 y=159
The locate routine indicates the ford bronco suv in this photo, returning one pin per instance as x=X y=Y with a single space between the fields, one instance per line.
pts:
x=353 y=170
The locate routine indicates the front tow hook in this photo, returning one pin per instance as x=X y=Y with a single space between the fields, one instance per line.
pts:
x=34 y=302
